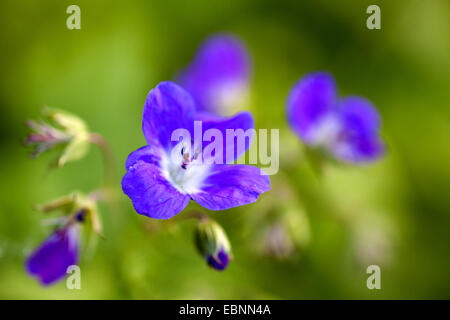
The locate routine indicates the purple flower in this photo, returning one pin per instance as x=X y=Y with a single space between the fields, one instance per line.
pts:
x=218 y=76
x=50 y=261
x=346 y=128
x=165 y=175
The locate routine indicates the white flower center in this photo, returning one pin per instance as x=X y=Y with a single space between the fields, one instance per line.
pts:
x=185 y=171
x=326 y=132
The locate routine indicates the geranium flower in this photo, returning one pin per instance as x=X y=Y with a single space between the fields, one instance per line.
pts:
x=347 y=128
x=218 y=76
x=165 y=175
x=49 y=262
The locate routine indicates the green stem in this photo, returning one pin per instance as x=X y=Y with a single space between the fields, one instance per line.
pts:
x=108 y=157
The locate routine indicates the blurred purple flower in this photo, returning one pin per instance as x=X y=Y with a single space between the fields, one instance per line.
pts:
x=50 y=261
x=347 y=128
x=218 y=76
x=161 y=185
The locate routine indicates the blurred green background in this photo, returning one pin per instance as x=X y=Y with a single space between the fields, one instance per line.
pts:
x=394 y=213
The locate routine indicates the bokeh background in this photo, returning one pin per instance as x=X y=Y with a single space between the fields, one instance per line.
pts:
x=394 y=213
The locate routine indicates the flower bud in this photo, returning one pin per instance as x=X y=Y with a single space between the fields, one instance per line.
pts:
x=62 y=131
x=213 y=244
x=76 y=207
